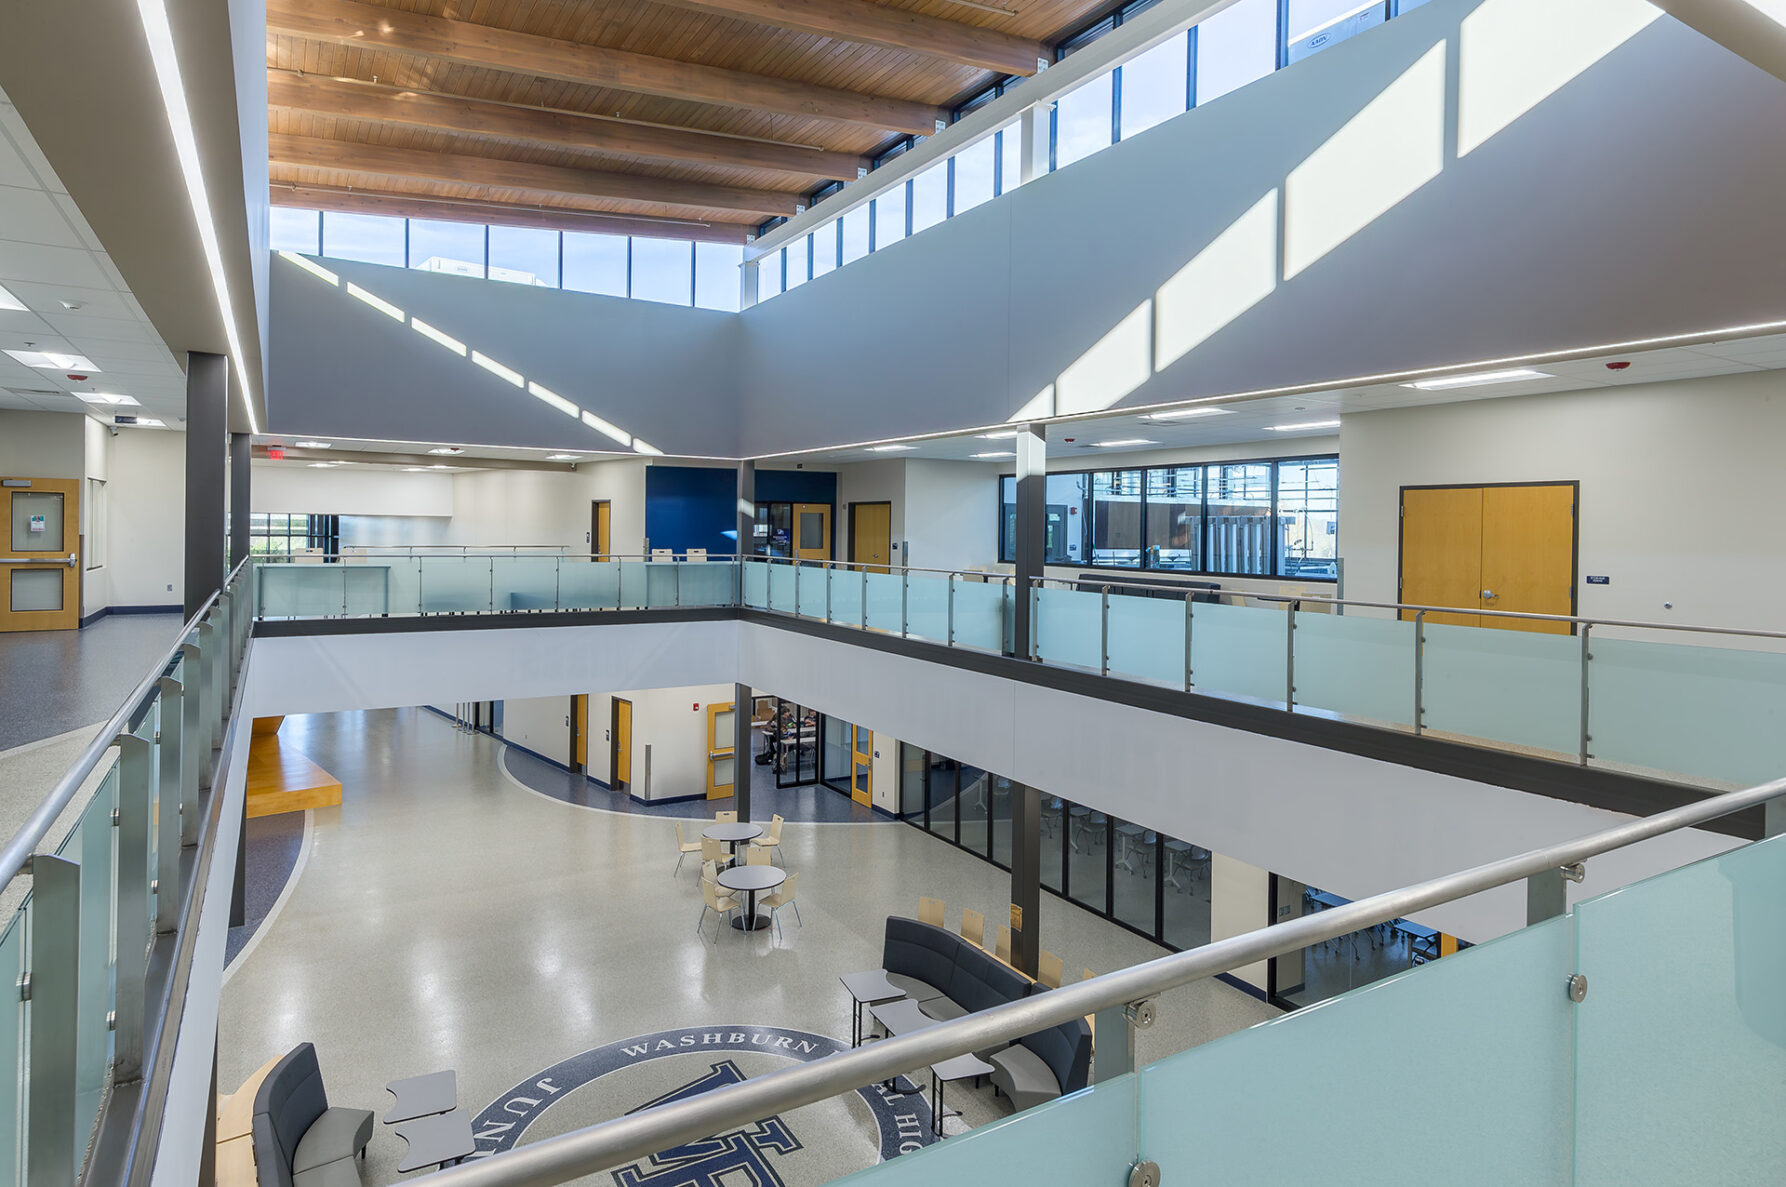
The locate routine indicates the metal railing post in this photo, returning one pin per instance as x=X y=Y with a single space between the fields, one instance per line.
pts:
x=1035 y=625
x=950 y=582
x=1587 y=656
x=136 y=790
x=558 y=583
x=1547 y=896
x=1189 y=617
x=492 y=585
x=864 y=620
x=675 y=582
x=194 y=769
x=1290 y=658
x=169 y=789
x=796 y=568
x=828 y=571
x=53 y=991
x=905 y=603
x=1419 y=672
x=1104 y=632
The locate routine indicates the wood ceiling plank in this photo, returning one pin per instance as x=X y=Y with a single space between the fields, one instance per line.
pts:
x=526 y=176
x=346 y=22
x=361 y=101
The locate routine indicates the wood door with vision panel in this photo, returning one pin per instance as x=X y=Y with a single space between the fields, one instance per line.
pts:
x=871 y=535
x=40 y=557
x=1441 y=551
x=1528 y=555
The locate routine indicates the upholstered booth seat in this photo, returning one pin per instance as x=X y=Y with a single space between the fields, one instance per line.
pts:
x=299 y=1141
x=1044 y=1065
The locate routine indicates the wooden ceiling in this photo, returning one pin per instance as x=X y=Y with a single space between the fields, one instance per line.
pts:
x=693 y=118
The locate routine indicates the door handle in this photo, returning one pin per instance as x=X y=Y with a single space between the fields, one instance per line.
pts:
x=70 y=560
x=1489 y=594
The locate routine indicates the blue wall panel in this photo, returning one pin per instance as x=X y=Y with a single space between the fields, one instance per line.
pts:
x=691 y=507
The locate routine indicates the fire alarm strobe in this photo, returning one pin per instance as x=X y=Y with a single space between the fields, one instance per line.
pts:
x=1620 y=366
x=77 y=378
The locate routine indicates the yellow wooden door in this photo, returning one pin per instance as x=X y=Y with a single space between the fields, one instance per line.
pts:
x=722 y=764
x=862 y=766
x=812 y=531
x=871 y=535
x=40 y=557
x=1442 y=551
x=600 y=540
x=623 y=745
x=580 y=731
x=1528 y=555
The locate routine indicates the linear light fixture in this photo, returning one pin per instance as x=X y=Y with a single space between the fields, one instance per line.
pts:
x=1300 y=426
x=606 y=429
x=310 y=444
x=322 y=465
x=447 y=340
x=8 y=301
x=160 y=36
x=996 y=453
x=564 y=457
x=446 y=449
x=890 y=448
x=497 y=369
x=50 y=360
x=1185 y=414
x=553 y=398
x=415 y=469
x=1122 y=442
x=377 y=302
x=1004 y=435
x=1480 y=379
x=141 y=422
x=646 y=448
x=109 y=399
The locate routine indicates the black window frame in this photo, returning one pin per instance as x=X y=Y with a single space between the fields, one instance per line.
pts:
x=1006 y=552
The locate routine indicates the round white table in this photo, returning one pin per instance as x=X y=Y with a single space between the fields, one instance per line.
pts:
x=733 y=835
x=751 y=881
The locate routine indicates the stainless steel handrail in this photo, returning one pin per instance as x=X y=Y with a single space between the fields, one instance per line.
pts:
x=889 y=568
x=639 y=1135
x=24 y=842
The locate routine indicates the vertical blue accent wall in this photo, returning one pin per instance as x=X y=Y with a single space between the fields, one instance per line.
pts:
x=691 y=506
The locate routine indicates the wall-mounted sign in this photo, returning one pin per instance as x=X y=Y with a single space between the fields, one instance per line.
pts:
x=37 y=524
x=1599 y=581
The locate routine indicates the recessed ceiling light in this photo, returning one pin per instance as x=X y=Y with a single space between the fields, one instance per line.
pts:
x=51 y=360
x=322 y=465
x=1301 y=425
x=995 y=453
x=564 y=457
x=71 y=306
x=1478 y=380
x=311 y=444
x=8 y=301
x=1123 y=441
x=415 y=469
x=113 y=399
x=1002 y=435
x=440 y=466
x=890 y=448
x=446 y=449
x=1185 y=414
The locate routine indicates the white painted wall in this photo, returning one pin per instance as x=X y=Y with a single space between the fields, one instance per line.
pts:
x=878 y=481
x=384 y=531
x=886 y=772
x=1239 y=902
x=951 y=514
x=286 y=487
x=541 y=724
x=673 y=723
x=146 y=513
x=42 y=444
x=1680 y=489
x=550 y=507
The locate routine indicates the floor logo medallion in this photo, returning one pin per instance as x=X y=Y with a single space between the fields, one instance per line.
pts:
x=673 y=1065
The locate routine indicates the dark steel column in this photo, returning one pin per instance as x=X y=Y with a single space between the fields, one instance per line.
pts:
x=1026 y=875
x=207 y=408
x=747 y=509
x=1031 y=545
x=238 y=497
x=743 y=763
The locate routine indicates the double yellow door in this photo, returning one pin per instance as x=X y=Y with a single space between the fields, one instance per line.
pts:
x=1490 y=548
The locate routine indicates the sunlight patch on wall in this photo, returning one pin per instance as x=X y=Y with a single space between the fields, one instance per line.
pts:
x=1117 y=364
x=1235 y=272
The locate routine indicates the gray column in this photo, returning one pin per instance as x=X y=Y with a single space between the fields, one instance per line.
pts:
x=743 y=762
x=207 y=410
x=1026 y=875
x=1031 y=544
x=747 y=509
x=238 y=497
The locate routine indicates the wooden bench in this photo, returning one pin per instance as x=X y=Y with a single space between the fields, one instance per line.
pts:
x=235 y=1130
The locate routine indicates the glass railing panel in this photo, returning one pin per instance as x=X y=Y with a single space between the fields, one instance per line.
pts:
x=1086 y=1138
x=663 y=584
x=1357 y=666
x=1681 y=1039
x=980 y=614
x=525 y=582
x=927 y=606
x=1708 y=712
x=1239 y=650
x=709 y=583
x=635 y=584
x=399 y=583
x=848 y=588
x=303 y=591
x=589 y=585
x=1501 y=1092
x=811 y=589
x=12 y=1050
x=455 y=584
x=782 y=582
x=1069 y=628
x=1147 y=639
x=1484 y=683
x=92 y=844
x=756 y=584
x=885 y=601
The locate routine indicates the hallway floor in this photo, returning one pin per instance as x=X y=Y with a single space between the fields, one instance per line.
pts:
x=448 y=917
x=58 y=681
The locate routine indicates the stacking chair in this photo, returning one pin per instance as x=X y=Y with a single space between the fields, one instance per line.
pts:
x=783 y=897
x=1003 y=951
x=725 y=818
x=720 y=903
x=714 y=852
x=1048 y=970
x=772 y=838
x=973 y=927
x=930 y=910
x=710 y=872
x=684 y=847
x=757 y=857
